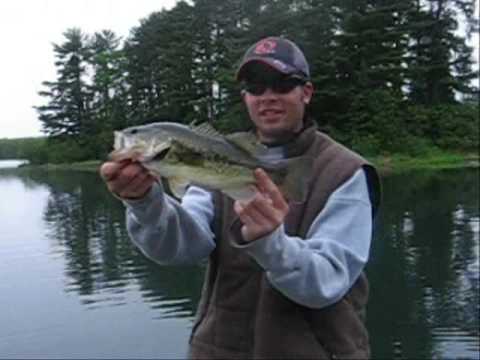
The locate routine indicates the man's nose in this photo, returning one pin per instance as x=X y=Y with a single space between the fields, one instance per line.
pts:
x=269 y=94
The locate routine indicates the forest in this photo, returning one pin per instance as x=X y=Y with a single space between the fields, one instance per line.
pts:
x=390 y=76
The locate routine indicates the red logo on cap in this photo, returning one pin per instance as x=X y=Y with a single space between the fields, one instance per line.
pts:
x=266 y=47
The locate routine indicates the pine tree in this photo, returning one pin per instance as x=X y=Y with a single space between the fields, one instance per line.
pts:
x=365 y=56
x=230 y=25
x=440 y=63
x=67 y=112
x=108 y=88
x=160 y=66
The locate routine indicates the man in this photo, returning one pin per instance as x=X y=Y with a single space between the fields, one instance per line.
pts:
x=284 y=280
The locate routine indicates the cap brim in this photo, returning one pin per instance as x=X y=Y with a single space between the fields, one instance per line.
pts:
x=273 y=63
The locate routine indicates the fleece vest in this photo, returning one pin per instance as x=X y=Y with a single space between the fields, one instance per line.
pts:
x=241 y=315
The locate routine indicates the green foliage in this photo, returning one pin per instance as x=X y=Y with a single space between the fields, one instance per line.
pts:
x=378 y=116
x=383 y=122
x=439 y=59
x=67 y=112
x=450 y=126
x=235 y=120
x=387 y=74
x=67 y=150
x=32 y=149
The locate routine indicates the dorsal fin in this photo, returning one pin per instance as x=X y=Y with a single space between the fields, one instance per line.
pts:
x=248 y=142
x=206 y=129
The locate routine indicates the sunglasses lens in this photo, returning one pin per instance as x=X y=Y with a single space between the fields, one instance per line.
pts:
x=255 y=88
x=284 y=87
x=281 y=86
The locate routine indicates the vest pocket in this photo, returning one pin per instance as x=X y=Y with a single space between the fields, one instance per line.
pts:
x=225 y=329
x=340 y=330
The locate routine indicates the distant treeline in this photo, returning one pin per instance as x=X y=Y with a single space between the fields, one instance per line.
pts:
x=25 y=148
x=390 y=75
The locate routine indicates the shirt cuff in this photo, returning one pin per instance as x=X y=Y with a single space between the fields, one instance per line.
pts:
x=148 y=209
x=153 y=195
x=270 y=252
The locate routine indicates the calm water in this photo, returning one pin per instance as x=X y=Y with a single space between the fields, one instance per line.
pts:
x=72 y=286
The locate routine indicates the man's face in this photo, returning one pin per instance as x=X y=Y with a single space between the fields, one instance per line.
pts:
x=277 y=113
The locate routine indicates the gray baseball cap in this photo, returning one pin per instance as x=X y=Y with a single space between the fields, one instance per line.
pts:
x=279 y=53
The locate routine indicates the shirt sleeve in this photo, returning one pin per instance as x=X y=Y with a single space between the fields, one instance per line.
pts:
x=319 y=270
x=169 y=232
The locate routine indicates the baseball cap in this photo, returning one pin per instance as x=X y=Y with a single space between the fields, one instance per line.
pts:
x=279 y=53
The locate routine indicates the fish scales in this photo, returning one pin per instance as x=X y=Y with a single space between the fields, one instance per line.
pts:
x=202 y=156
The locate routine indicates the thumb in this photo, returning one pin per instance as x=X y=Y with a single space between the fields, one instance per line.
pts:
x=110 y=170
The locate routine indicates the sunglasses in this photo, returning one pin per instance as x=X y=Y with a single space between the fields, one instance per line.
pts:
x=278 y=86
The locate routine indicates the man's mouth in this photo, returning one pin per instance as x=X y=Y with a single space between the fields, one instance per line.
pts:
x=270 y=112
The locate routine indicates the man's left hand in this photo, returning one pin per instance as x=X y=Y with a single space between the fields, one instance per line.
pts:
x=265 y=212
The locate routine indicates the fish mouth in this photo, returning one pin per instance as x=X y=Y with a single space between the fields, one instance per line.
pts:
x=156 y=152
x=162 y=154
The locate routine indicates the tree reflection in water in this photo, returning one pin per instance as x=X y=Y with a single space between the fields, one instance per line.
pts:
x=87 y=228
x=424 y=292
x=423 y=270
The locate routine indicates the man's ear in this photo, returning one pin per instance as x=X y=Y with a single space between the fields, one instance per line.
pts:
x=243 y=93
x=307 y=92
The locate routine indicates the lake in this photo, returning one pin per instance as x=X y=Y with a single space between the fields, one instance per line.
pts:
x=72 y=285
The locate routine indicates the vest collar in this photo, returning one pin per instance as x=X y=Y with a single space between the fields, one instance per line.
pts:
x=300 y=143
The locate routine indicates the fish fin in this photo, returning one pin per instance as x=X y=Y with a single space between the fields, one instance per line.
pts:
x=295 y=184
x=244 y=193
x=206 y=129
x=247 y=141
x=193 y=124
x=178 y=186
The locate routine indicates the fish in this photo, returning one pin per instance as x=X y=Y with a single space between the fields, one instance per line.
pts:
x=187 y=155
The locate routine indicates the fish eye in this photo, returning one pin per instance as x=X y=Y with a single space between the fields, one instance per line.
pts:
x=133 y=131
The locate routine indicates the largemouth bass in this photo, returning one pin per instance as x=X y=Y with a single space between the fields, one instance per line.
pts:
x=203 y=157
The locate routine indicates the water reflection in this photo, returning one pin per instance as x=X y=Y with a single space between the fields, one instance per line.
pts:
x=86 y=226
x=424 y=268
x=13 y=163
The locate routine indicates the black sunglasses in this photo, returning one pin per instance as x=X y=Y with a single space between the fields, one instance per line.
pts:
x=279 y=85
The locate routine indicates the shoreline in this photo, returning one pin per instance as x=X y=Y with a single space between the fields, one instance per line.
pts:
x=398 y=163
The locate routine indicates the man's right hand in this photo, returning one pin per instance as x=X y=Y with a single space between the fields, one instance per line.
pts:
x=127 y=179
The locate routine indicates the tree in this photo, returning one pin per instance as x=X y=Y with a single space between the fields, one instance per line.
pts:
x=67 y=112
x=109 y=93
x=160 y=65
x=379 y=67
x=222 y=34
x=440 y=62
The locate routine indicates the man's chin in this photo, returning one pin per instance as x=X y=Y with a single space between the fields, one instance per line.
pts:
x=275 y=135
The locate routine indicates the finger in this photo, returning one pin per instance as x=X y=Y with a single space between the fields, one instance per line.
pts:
x=264 y=206
x=263 y=213
x=238 y=207
x=127 y=174
x=258 y=219
x=243 y=214
x=139 y=186
x=110 y=169
x=267 y=186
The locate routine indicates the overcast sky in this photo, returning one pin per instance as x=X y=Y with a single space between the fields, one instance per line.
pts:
x=27 y=30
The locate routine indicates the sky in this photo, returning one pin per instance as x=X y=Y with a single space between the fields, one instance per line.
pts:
x=28 y=28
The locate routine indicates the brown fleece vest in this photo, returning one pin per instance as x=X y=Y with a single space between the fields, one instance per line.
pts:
x=242 y=316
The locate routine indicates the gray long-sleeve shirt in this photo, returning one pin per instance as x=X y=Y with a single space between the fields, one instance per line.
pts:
x=316 y=271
